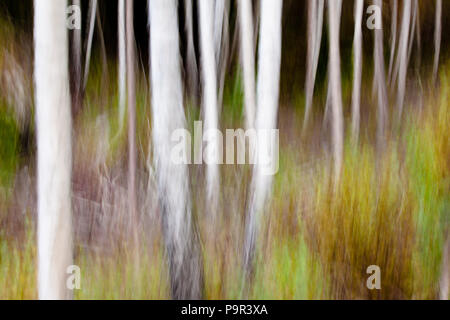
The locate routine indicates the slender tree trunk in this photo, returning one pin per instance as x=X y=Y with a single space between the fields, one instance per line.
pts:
x=437 y=38
x=380 y=81
x=334 y=66
x=248 y=60
x=218 y=22
x=269 y=59
x=92 y=12
x=402 y=55
x=183 y=252
x=357 y=69
x=393 y=37
x=131 y=88
x=192 y=68
x=54 y=143
x=122 y=62
x=210 y=112
x=413 y=29
x=76 y=67
x=224 y=53
x=103 y=49
x=315 y=23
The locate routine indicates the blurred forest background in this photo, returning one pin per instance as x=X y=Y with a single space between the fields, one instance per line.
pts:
x=391 y=208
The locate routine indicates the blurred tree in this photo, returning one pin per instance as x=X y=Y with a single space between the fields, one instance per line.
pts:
x=181 y=241
x=54 y=147
x=269 y=60
x=314 y=35
x=210 y=109
x=357 y=69
x=334 y=66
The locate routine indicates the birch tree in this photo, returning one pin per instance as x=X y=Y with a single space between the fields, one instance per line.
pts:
x=191 y=60
x=76 y=65
x=248 y=59
x=92 y=12
x=122 y=67
x=437 y=38
x=393 y=37
x=357 y=69
x=380 y=79
x=315 y=23
x=334 y=67
x=269 y=59
x=131 y=89
x=54 y=141
x=402 y=55
x=183 y=253
x=210 y=110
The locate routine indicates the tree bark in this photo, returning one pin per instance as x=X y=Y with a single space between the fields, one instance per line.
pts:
x=76 y=67
x=181 y=242
x=334 y=66
x=357 y=70
x=131 y=88
x=315 y=23
x=248 y=60
x=380 y=81
x=54 y=148
x=122 y=62
x=269 y=60
x=393 y=37
x=210 y=111
x=402 y=56
x=92 y=12
x=437 y=38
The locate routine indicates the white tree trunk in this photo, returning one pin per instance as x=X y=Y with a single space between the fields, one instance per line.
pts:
x=54 y=142
x=334 y=66
x=357 y=69
x=172 y=179
x=76 y=65
x=437 y=38
x=248 y=60
x=380 y=80
x=269 y=60
x=131 y=90
x=393 y=37
x=209 y=82
x=122 y=62
x=92 y=12
x=402 y=55
x=315 y=23
x=191 y=60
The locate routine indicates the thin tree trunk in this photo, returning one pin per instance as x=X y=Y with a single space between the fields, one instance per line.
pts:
x=248 y=60
x=122 y=62
x=269 y=60
x=402 y=56
x=334 y=17
x=103 y=49
x=357 y=69
x=183 y=252
x=131 y=88
x=224 y=55
x=192 y=68
x=437 y=38
x=54 y=143
x=210 y=111
x=76 y=67
x=380 y=81
x=393 y=37
x=315 y=23
x=92 y=12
